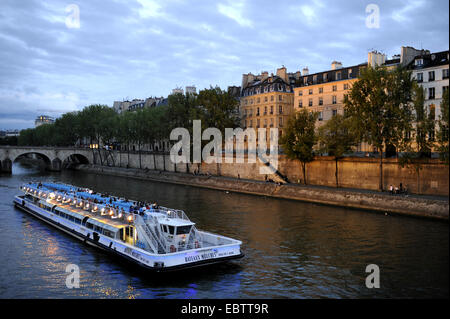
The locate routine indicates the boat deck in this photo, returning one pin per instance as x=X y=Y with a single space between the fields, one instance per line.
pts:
x=117 y=223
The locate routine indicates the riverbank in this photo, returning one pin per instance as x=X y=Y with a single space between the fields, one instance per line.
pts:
x=414 y=205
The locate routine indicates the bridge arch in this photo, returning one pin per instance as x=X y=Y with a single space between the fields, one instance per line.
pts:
x=73 y=159
x=54 y=157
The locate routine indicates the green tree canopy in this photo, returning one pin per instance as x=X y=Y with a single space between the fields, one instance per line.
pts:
x=379 y=108
x=299 y=138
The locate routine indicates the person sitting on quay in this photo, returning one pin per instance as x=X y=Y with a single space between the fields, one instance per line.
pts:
x=396 y=190
x=391 y=189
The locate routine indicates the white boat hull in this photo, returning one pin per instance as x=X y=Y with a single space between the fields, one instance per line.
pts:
x=156 y=262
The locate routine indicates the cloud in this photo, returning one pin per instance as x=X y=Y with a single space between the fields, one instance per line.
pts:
x=140 y=48
x=235 y=11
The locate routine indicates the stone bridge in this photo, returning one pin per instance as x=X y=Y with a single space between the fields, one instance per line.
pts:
x=54 y=157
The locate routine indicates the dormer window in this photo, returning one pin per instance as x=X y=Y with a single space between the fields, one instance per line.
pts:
x=419 y=62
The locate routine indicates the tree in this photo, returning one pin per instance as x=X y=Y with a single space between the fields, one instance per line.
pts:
x=125 y=131
x=299 y=138
x=379 y=110
x=336 y=139
x=67 y=129
x=93 y=119
x=417 y=149
x=443 y=131
x=27 y=137
x=217 y=108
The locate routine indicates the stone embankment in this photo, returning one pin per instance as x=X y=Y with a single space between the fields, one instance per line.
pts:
x=418 y=206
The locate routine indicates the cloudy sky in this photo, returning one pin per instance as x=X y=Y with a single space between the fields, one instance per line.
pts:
x=140 y=48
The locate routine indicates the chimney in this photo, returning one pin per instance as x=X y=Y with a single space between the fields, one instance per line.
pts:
x=281 y=72
x=335 y=65
x=244 y=80
x=409 y=53
x=376 y=58
x=264 y=75
x=305 y=71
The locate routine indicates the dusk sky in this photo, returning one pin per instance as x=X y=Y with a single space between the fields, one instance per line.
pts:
x=136 y=49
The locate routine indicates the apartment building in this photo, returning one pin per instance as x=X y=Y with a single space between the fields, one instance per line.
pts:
x=267 y=101
x=431 y=71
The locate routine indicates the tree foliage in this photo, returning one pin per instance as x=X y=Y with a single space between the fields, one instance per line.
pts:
x=442 y=136
x=336 y=138
x=379 y=108
x=299 y=138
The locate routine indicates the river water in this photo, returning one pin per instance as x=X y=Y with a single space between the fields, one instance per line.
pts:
x=292 y=249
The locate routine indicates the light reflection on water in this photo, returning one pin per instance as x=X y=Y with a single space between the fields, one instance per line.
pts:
x=293 y=249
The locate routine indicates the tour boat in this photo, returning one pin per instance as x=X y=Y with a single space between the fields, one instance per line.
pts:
x=152 y=236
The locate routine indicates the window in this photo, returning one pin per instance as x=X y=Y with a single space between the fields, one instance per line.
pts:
x=445 y=74
x=300 y=93
x=320 y=101
x=271 y=98
x=431 y=76
x=280 y=109
x=265 y=99
x=345 y=86
x=271 y=109
x=258 y=100
x=431 y=92
x=171 y=229
x=265 y=110
x=419 y=77
x=338 y=76
x=320 y=116
x=444 y=89
x=257 y=111
x=419 y=62
x=310 y=102
x=334 y=112
x=334 y=88
x=334 y=99
x=181 y=230
x=280 y=98
x=310 y=91
x=300 y=103
x=280 y=121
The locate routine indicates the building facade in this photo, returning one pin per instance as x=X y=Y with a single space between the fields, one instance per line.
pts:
x=267 y=101
x=324 y=92
x=43 y=119
x=431 y=71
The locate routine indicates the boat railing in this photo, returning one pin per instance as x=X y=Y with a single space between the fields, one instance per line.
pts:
x=155 y=242
x=195 y=239
x=174 y=213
